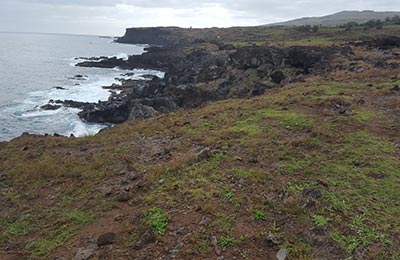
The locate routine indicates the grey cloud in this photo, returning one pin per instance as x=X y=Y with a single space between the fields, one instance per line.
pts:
x=112 y=16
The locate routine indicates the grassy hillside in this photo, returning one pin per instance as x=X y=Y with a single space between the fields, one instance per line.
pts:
x=311 y=168
x=288 y=168
x=340 y=18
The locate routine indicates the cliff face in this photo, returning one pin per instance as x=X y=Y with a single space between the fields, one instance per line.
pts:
x=155 y=36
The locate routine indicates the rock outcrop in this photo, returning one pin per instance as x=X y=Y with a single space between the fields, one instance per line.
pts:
x=195 y=75
x=155 y=36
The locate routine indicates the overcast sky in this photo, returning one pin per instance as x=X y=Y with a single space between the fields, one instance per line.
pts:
x=111 y=17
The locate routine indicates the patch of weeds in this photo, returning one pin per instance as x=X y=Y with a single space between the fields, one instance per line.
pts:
x=228 y=195
x=78 y=217
x=297 y=121
x=336 y=202
x=362 y=235
x=225 y=222
x=320 y=221
x=274 y=228
x=53 y=239
x=296 y=188
x=10 y=194
x=288 y=120
x=202 y=245
x=157 y=220
x=243 y=172
x=18 y=228
x=259 y=214
x=363 y=115
x=249 y=129
x=226 y=240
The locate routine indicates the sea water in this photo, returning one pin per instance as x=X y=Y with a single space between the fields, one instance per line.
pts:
x=35 y=68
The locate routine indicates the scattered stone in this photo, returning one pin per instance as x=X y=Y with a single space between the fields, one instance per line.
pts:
x=396 y=88
x=214 y=242
x=25 y=148
x=147 y=238
x=277 y=76
x=273 y=240
x=205 y=221
x=282 y=254
x=318 y=236
x=59 y=88
x=178 y=247
x=123 y=197
x=106 y=239
x=203 y=154
x=310 y=197
x=85 y=253
x=119 y=218
x=133 y=176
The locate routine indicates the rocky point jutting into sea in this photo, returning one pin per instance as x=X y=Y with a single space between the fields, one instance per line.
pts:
x=199 y=70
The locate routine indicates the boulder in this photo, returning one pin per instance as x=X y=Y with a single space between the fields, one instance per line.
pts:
x=85 y=253
x=277 y=76
x=140 y=111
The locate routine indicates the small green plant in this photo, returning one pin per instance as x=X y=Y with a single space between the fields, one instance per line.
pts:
x=244 y=254
x=228 y=195
x=275 y=228
x=226 y=240
x=320 y=221
x=157 y=220
x=259 y=214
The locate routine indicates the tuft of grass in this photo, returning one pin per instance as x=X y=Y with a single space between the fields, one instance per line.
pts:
x=320 y=221
x=18 y=228
x=259 y=214
x=157 y=220
x=226 y=240
x=46 y=244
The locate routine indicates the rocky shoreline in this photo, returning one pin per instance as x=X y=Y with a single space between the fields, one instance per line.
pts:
x=197 y=73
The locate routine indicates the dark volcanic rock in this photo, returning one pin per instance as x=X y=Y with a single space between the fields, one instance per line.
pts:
x=112 y=62
x=196 y=75
x=154 y=36
x=50 y=107
x=277 y=76
x=105 y=239
x=115 y=111
x=140 y=111
x=254 y=57
x=384 y=42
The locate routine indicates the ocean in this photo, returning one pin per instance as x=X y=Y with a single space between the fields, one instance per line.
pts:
x=35 y=68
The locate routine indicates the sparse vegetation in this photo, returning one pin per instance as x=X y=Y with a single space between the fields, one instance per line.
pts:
x=317 y=154
x=259 y=214
x=157 y=220
x=226 y=240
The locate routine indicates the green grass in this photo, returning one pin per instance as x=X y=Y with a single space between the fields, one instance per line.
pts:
x=18 y=228
x=226 y=240
x=157 y=220
x=320 y=221
x=259 y=214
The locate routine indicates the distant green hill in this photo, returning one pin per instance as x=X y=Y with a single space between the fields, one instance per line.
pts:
x=339 y=18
